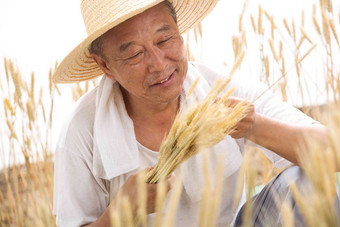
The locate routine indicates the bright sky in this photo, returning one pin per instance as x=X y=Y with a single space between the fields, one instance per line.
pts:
x=36 y=33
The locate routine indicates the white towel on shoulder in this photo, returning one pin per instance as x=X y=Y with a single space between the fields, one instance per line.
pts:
x=115 y=149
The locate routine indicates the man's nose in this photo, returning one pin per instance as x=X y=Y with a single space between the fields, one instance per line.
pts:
x=156 y=60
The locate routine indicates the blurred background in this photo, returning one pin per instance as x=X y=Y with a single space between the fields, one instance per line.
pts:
x=292 y=46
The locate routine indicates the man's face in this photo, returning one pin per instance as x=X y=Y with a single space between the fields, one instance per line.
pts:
x=146 y=55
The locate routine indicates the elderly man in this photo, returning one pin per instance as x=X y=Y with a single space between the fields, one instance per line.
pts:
x=116 y=129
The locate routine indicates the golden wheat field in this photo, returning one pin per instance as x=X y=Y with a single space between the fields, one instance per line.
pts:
x=289 y=54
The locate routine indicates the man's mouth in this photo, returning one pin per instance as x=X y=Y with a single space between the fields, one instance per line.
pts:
x=164 y=80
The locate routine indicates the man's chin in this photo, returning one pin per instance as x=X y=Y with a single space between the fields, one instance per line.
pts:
x=169 y=99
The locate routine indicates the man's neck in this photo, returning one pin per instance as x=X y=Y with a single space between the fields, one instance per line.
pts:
x=152 y=121
x=153 y=113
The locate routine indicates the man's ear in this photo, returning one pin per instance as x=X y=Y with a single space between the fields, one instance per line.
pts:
x=102 y=65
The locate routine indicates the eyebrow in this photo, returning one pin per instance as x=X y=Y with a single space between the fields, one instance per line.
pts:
x=124 y=46
x=163 y=28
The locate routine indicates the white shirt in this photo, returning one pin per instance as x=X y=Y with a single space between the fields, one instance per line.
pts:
x=91 y=165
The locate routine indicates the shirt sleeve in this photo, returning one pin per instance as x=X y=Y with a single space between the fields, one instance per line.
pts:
x=79 y=197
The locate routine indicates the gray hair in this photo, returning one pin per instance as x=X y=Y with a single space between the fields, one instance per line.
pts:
x=96 y=47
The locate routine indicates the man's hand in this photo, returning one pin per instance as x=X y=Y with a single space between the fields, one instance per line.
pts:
x=245 y=126
x=130 y=189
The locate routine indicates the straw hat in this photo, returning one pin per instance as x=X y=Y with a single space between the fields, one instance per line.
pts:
x=102 y=15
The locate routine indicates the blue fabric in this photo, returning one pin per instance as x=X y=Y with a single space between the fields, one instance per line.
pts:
x=266 y=205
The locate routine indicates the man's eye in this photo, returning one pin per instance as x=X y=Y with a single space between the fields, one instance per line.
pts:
x=163 y=41
x=136 y=55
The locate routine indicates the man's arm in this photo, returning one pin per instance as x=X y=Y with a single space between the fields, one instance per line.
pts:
x=283 y=138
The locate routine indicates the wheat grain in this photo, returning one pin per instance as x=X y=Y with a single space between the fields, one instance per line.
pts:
x=294 y=31
x=297 y=66
x=16 y=81
x=204 y=216
x=302 y=18
x=281 y=50
x=325 y=28
x=272 y=24
x=6 y=64
x=271 y=44
x=174 y=200
x=237 y=64
x=50 y=73
x=253 y=23
x=267 y=15
x=126 y=212
x=141 y=197
x=30 y=111
x=115 y=219
x=283 y=67
x=240 y=22
x=11 y=130
x=287 y=26
x=160 y=200
x=331 y=25
x=31 y=95
x=266 y=64
x=9 y=106
x=236 y=46
x=273 y=27
x=7 y=216
x=315 y=22
x=216 y=200
x=259 y=22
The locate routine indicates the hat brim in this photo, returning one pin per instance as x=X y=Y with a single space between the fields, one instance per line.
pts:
x=79 y=66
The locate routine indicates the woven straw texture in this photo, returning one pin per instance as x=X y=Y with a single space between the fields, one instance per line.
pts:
x=102 y=15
